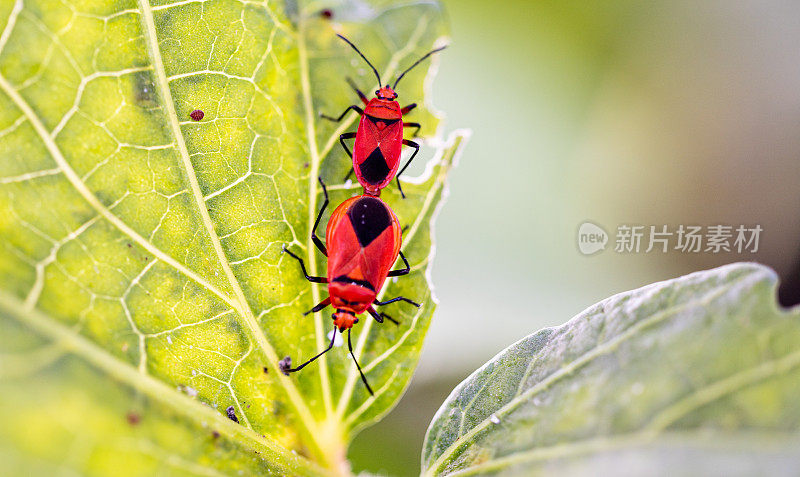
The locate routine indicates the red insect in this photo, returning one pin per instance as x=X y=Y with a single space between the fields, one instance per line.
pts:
x=364 y=238
x=379 y=137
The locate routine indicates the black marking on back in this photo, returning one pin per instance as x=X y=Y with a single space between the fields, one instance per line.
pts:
x=374 y=169
x=346 y=279
x=369 y=217
x=388 y=122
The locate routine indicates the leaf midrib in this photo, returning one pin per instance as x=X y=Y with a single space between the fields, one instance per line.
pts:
x=316 y=160
x=241 y=304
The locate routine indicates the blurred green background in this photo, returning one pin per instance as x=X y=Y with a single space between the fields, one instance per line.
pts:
x=615 y=112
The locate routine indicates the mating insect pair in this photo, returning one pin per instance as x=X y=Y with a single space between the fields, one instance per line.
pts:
x=363 y=234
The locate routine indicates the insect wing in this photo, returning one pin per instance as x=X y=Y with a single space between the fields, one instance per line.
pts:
x=376 y=155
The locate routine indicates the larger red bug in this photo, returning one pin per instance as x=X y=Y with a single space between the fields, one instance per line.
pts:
x=364 y=239
x=379 y=137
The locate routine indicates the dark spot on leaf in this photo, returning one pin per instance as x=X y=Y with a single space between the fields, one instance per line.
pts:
x=305 y=165
x=133 y=418
x=197 y=115
x=215 y=434
x=285 y=365
x=232 y=414
x=129 y=245
x=327 y=13
x=266 y=370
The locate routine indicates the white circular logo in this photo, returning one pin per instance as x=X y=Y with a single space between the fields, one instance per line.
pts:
x=591 y=238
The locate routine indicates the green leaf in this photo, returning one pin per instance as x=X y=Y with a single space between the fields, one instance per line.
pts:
x=693 y=376
x=66 y=403
x=140 y=251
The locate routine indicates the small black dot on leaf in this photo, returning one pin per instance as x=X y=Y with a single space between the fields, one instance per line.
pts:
x=326 y=13
x=197 y=115
x=266 y=370
x=215 y=434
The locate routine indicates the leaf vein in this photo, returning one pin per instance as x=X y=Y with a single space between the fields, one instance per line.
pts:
x=84 y=191
x=240 y=303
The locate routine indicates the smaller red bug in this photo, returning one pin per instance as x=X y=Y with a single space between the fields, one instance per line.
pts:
x=379 y=137
x=364 y=237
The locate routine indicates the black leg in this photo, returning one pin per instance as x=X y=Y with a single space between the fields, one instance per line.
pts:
x=303 y=267
x=349 y=173
x=319 y=306
x=333 y=338
x=348 y=135
x=374 y=313
x=358 y=91
x=341 y=116
x=380 y=316
x=399 y=298
x=417 y=127
x=402 y=271
x=363 y=378
x=408 y=108
x=416 y=150
x=390 y=318
x=314 y=238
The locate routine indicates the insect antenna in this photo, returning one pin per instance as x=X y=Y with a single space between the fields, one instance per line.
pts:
x=416 y=63
x=362 y=56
